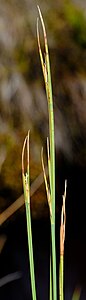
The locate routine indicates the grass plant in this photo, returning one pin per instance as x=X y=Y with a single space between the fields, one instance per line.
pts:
x=50 y=187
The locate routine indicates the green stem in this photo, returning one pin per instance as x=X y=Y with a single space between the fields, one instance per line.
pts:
x=53 y=262
x=48 y=85
x=52 y=164
x=30 y=247
x=51 y=288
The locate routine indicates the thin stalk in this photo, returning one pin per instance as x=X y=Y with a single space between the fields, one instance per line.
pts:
x=49 y=169
x=51 y=288
x=30 y=247
x=26 y=186
x=62 y=240
x=61 y=278
x=48 y=85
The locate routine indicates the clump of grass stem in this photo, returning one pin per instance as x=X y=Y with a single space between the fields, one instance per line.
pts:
x=50 y=187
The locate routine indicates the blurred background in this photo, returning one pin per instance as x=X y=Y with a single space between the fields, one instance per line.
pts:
x=23 y=106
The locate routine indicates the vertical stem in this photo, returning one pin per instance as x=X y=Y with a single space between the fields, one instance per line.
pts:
x=53 y=262
x=26 y=186
x=62 y=240
x=52 y=164
x=48 y=85
x=51 y=288
x=61 y=278
x=30 y=247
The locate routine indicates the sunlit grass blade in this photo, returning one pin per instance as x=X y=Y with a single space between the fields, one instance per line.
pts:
x=48 y=85
x=62 y=240
x=40 y=52
x=26 y=187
